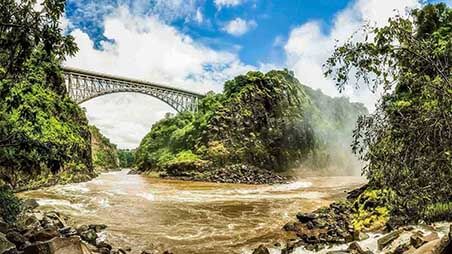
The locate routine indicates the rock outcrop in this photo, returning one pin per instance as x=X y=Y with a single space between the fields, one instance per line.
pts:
x=37 y=232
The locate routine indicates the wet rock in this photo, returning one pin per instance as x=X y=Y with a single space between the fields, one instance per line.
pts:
x=306 y=217
x=5 y=244
x=4 y=227
x=291 y=245
x=429 y=248
x=98 y=227
x=430 y=237
x=82 y=228
x=354 y=194
x=446 y=243
x=70 y=245
x=103 y=251
x=30 y=204
x=15 y=237
x=417 y=239
x=104 y=245
x=67 y=231
x=89 y=236
x=261 y=250
x=401 y=249
x=31 y=221
x=387 y=239
x=310 y=225
x=45 y=234
x=118 y=251
x=237 y=173
x=53 y=218
x=289 y=227
x=355 y=248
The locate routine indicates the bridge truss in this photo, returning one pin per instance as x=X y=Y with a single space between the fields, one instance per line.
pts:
x=84 y=85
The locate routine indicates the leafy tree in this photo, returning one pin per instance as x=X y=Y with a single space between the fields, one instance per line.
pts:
x=40 y=127
x=126 y=158
x=104 y=153
x=23 y=29
x=269 y=120
x=407 y=141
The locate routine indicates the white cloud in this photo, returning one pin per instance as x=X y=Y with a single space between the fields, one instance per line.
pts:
x=199 y=17
x=308 y=46
x=227 y=3
x=146 y=48
x=239 y=26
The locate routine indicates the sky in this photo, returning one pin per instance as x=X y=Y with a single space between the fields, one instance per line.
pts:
x=199 y=44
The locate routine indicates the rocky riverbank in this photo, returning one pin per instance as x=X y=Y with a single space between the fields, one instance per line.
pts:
x=37 y=232
x=237 y=173
x=336 y=229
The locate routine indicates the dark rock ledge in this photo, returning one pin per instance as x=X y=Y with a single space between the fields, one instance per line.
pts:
x=333 y=225
x=236 y=173
x=38 y=232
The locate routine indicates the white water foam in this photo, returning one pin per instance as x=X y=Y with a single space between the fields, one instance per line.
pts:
x=146 y=195
x=59 y=202
x=274 y=188
x=103 y=202
x=75 y=188
x=291 y=186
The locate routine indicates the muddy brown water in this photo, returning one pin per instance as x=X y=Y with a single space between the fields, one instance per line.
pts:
x=189 y=217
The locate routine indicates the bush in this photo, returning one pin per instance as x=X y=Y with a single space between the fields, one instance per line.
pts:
x=370 y=210
x=10 y=205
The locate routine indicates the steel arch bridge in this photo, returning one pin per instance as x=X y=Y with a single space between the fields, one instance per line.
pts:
x=84 y=85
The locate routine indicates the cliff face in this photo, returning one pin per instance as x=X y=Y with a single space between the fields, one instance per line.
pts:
x=266 y=122
x=104 y=153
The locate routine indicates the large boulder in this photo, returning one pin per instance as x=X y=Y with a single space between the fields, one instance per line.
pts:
x=5 y=245
x=30 y=204
x=54 y=218
x=261 y=250
x=387 y=239
x=17 y=238
x=306 y=217
x=45 y=234
x=59 y=245
x=89 y=236
x=4 y=227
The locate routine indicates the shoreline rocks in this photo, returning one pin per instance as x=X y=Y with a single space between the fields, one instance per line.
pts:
x=237 y=173
x=337 y=225
x=37 y=232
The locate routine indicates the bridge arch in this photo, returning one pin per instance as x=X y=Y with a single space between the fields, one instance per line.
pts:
x=85 y=85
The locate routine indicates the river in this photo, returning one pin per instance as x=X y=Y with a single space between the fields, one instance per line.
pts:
x=189 y=217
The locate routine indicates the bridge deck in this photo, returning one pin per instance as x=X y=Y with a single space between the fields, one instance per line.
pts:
x=90 y=74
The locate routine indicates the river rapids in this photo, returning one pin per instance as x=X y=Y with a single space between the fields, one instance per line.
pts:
x=189 y=217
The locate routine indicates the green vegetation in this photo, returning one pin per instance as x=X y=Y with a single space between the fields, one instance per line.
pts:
x=126 y=158
x=41 y=130
x=10 y=205
x=370 y=210
x=407 y=141
x=104 y=153
x=269 y=121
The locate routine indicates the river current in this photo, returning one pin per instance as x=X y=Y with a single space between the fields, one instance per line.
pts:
x=189 y=217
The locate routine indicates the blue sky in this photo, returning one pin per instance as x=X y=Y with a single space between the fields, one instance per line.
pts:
x=262 y=43
x=199 y=44
x=273 y=19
